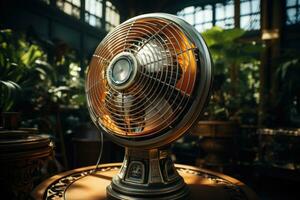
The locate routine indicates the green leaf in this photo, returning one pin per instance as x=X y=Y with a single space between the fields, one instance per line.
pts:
x=10 y=92
x=29 y=57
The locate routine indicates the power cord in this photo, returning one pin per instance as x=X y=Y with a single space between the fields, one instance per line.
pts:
x=98 y=161
x=100 y=153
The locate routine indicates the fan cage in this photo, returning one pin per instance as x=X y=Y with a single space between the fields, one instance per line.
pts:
x=166 y=85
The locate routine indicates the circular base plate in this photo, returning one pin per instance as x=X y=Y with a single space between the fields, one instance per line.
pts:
x=82 y=184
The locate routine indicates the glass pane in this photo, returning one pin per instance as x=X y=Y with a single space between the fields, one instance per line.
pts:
x=92 y=9
x=229 y=12
x=199 y=16
x=245 y=7
x=291 y=16
x=98 y=22
x=108 y=27
x=207 y=25
x=118 y=19
x=98 y=9
x=255 y=6
x=245 y=22
x=113 y=14
x=199 y=27
x=190 y=19
x=188 y=10
x=229 y=23
x=46 y=1
x=87 y=16
x=76 y=12
x=179 y=13
x=92 y=20
x=87 y=4
x=107 y=14
x=108 y=4
x=220 y=14
x=255 y=22
x=220 y=23
x=76 y=2
x=291 y=2
x=68 y=8
x=180 y=16
x=60 y=4
x=207 y=13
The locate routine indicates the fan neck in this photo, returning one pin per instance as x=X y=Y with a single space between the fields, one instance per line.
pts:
x=147 y=174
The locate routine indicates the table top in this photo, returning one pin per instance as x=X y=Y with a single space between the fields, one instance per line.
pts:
x=85 y=183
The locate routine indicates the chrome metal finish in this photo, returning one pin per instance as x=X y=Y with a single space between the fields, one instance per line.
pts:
x=122 y=71
x=147 y=174
x=165 y=97
x=147 y=84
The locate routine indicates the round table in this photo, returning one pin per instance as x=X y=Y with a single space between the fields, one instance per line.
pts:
x=86 y=183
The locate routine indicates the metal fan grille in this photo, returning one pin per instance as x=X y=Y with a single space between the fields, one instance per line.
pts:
x=167 y=68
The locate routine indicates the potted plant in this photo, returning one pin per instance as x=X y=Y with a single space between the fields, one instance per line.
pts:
x=24 y=72
x=234 y=95
x=24 y=154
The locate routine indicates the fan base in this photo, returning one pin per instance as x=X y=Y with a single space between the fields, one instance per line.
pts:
x=147 y=174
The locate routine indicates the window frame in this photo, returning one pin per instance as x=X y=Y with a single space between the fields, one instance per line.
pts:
x=297 y=14
x=254 y=14
x=251 y=14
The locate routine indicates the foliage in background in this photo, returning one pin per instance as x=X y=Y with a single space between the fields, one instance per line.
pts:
x=22 y=70
x=236 y=77
x=289 y=88
x=68 y=90
x=41 y=82
x=29 y=82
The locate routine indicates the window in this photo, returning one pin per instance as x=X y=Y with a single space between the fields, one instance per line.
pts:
x=188 y=14
x=225 y=15
x=93 y=12
x=46 y=1
x=112 y=16
x=200 y=17
x=292 y=11
x=250 y=14
x=71 y=7
x=204 y=18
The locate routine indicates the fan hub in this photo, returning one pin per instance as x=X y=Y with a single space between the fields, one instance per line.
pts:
x=122 y=71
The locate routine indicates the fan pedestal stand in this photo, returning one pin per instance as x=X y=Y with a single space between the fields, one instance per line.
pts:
x=147 y=174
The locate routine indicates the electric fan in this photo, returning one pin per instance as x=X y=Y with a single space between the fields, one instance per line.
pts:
x=146 y=85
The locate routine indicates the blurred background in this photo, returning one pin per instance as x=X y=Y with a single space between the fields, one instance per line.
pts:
x=250 y=130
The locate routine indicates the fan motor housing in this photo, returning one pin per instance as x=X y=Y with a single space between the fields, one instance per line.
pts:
x=122 y=71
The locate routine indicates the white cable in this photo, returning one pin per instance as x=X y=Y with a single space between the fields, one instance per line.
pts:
x=97 y=164
x=100 y=153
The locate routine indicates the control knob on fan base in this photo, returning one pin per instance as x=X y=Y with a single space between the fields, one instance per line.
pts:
x=147 y=174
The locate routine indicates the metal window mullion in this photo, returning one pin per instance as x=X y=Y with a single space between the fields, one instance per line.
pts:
x=82 y=10
x=194 y=16
x=103 y=20
x=214 y=14
x=237 y=13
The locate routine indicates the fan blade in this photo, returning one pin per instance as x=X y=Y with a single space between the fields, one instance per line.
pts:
x=122 y=109
x=158 y=114
x=158 y=62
